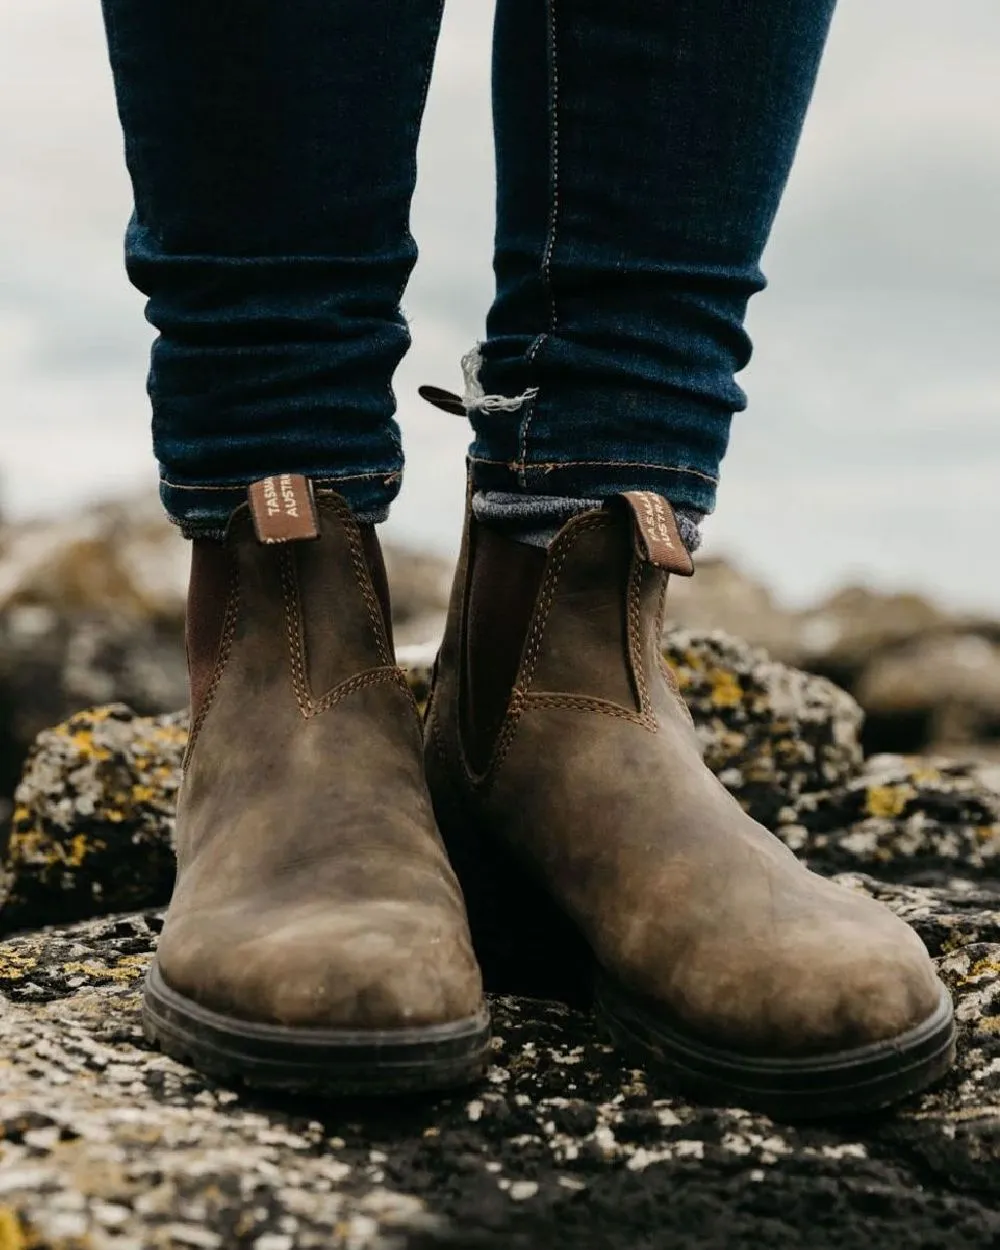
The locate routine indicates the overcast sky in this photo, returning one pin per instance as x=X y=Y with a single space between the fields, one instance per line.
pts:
x=871 y=448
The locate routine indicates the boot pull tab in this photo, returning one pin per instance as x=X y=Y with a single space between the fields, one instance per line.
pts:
x=447 y=401
x=283 y=508
x=658 y=537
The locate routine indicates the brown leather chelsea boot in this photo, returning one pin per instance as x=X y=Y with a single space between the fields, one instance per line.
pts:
x=317 y=937
x=591 y=838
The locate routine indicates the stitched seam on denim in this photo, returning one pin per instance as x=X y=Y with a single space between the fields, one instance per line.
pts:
x=430 y=61
x=584 y=703
x=549 y=465
x=221 y=660
x=552 y=229
x=418 y=119
x=558 y=554
x=550 y=245
x=389 y=476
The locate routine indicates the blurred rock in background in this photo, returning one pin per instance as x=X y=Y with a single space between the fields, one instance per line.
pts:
x=928 y=680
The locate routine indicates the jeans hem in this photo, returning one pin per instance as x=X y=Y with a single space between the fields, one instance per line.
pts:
x=203 y=510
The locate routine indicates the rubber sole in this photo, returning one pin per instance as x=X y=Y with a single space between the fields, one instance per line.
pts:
x=845 y=1083
x=330 y=1062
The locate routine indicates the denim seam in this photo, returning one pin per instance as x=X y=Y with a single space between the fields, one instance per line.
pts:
x=429 y=70
x=425 y=88
x=549 y=465
x=551 y=234
x=389 y=475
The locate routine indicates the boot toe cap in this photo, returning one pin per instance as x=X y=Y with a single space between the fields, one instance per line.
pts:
x=857 y=1000
x=366 y=967
x=858 y=979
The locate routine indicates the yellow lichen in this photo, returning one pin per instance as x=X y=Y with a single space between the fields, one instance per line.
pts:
x=726 y=689
x=29 y=845
x=888 y=802
x=983 y=966
x=33 y=845
x=86 y=747
x=13 y=1234
x=14 y=966
x=165 y=735
x=76 y=850
x=126 y=970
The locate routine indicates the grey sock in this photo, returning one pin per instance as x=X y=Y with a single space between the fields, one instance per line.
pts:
x=537 y=519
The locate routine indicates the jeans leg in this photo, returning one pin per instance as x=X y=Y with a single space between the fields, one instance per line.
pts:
x=642 y=150
x=272 y=151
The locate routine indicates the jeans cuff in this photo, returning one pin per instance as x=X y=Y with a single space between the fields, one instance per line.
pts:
x=202 y=510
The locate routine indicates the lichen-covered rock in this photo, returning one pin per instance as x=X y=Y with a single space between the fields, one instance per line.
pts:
x=93 y=819
x=93 y=812
x=902 y=819
x=107 y=1144
x=54 y=662
x=771 y=733
x=92 y=612
x=837 y=636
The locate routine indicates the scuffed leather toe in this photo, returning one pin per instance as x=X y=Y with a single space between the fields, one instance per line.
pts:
x=366 y=966
x=812 y=994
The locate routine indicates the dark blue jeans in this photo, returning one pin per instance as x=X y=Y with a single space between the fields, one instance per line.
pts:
x=642 y=149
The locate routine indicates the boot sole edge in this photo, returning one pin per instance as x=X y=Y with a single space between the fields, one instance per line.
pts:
x=846 y=1083
x=332 y=1062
